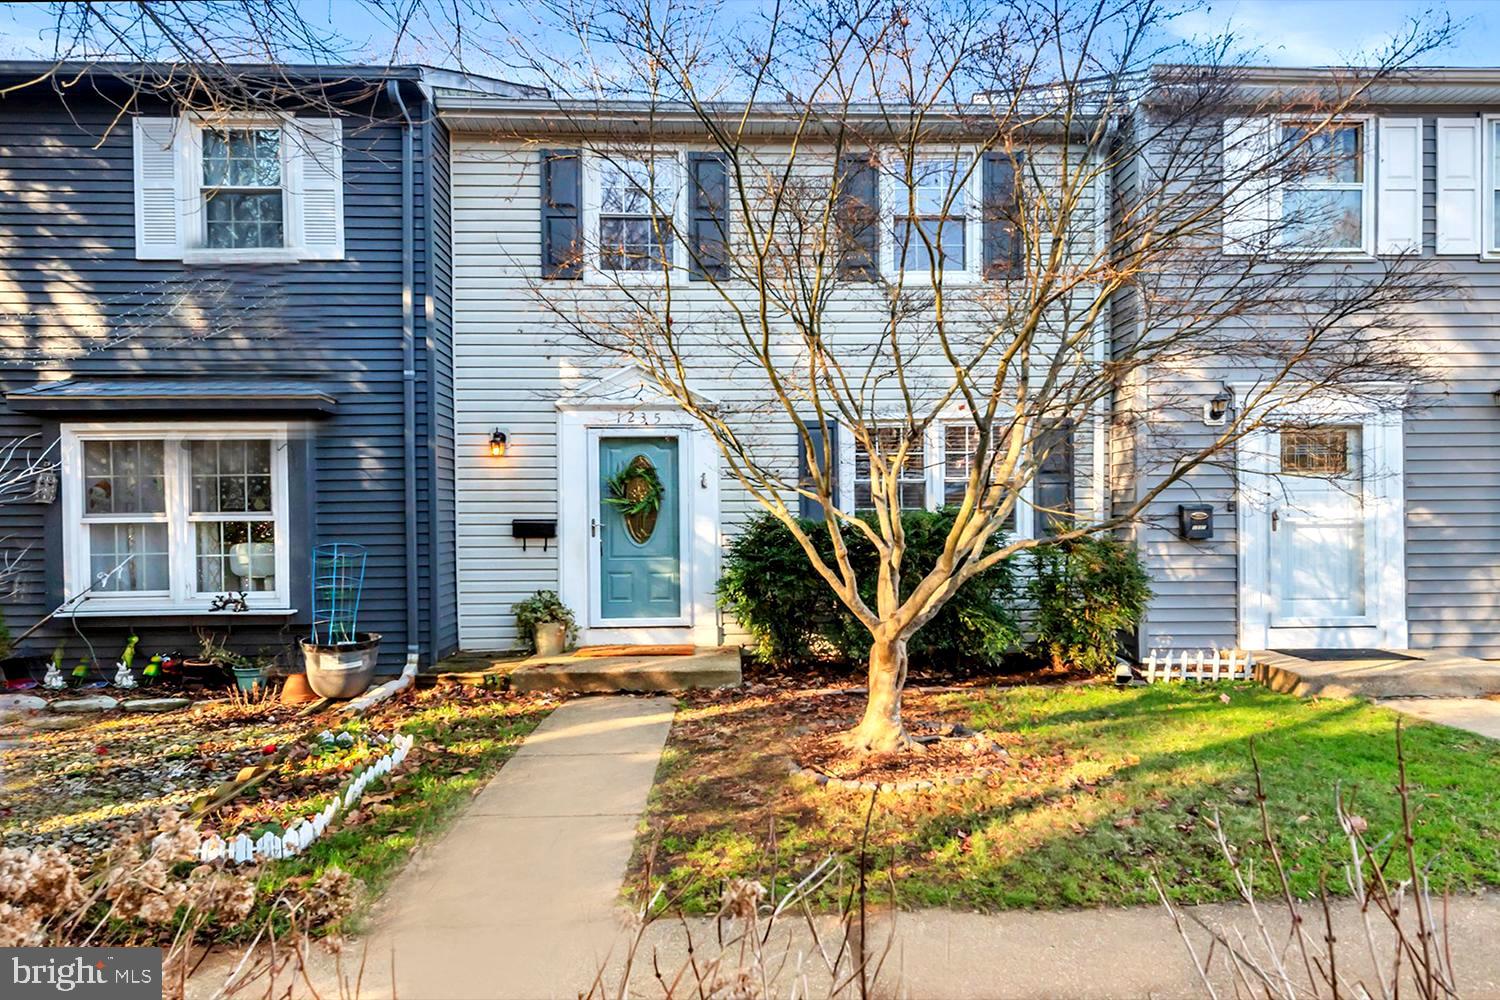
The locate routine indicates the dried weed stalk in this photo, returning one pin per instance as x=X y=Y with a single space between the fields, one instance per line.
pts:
x=1404 y=935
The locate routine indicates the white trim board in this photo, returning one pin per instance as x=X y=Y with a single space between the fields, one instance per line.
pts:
x=579 y=428
x=1384 y=625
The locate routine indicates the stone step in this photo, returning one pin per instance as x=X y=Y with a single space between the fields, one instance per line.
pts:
x=708 y=668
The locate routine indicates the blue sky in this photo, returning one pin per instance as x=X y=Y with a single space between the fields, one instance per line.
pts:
x=1282 y=32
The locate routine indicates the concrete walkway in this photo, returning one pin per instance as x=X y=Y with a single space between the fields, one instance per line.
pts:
x=1477 y=715
x=519 y=899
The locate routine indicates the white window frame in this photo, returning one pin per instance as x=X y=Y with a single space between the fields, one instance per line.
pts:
x=1366 y=186
x=934 y=458
x=893 y=194
x=1489 y=148
x=190 y=169
x=593 y=273
x=183 y=597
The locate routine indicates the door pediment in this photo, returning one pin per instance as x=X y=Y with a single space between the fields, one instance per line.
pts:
x=622 y=387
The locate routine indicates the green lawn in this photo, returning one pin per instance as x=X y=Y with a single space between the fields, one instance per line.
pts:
x=463 y=736
x=1103 y=788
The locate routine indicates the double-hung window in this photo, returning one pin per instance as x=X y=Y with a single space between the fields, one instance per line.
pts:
x=911 y=478
x=930 y=214
x=637 y=204
x=1325 y=201
x=163 y=518
x=935 y=473
x=244 y=192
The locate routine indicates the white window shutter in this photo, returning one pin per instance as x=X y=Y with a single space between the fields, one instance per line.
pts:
x=1248 y=194
x=1398 y=203
x=1458 y=185
x=158 y=218
x=320 y=149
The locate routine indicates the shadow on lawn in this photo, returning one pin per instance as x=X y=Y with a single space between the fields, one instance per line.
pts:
x=1105 y=787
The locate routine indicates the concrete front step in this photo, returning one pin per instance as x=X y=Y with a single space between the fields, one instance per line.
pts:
x=1379 y=674
x=706 y=668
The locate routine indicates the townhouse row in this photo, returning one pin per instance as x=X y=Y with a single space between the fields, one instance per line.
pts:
x=356 y=318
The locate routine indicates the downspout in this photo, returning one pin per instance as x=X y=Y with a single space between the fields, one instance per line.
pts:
x=408 y=380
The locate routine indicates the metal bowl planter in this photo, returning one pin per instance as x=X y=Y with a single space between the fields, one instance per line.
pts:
x=341 y=669
x=340 y=660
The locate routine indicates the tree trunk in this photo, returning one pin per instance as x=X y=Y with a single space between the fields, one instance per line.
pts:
x=881 y=730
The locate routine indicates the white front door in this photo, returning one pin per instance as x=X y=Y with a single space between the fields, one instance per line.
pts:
x=1318 y=525
x=1321 y=522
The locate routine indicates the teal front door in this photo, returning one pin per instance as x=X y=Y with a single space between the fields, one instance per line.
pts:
x=640 y=548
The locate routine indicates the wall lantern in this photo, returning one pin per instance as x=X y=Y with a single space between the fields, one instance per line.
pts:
x=498 y=443
x=1216 y=410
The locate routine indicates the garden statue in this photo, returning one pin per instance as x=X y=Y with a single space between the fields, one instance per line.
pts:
x=123 y=677
x=54 y=679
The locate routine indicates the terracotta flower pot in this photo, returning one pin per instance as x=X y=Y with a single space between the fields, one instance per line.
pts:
x=296 y=691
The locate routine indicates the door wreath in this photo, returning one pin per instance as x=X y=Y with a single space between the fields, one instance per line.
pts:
x=636 y=491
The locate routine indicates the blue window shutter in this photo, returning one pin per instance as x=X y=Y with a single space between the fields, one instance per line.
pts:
x=808 y=507
x=708 y=216
x=1052 y=486
x=1004 y=249
x=562 y=228
x=858 y=218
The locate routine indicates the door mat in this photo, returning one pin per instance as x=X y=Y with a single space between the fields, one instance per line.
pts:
x=1316 y=655
x=624 y=650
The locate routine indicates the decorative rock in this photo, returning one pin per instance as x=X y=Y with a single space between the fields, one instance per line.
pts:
x=21 y=703
x=53 y=723
x=95 y=703
x=155 y=704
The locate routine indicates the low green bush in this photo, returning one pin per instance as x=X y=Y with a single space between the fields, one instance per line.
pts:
x=1086 y=593
x=773 y=592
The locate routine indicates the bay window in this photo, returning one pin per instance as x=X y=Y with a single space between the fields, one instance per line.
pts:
x=168 y=517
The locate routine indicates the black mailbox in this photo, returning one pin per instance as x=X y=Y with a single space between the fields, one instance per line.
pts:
x=1195 y=521
x=545 y=531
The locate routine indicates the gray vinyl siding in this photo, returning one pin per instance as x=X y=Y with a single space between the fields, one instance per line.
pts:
x=1451 y=483
x=441 y=468
x=70 y=277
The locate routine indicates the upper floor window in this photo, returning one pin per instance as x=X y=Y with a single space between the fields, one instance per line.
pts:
x=243 y=192
x=1324 y=201
x=931 y=224
x=637 y=198
x=227 y=188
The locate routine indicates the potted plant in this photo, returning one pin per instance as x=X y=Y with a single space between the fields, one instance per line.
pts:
x=340 y=659
x=545 y=623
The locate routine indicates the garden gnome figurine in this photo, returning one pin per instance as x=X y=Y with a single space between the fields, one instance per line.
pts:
x=123 y=677
x=54 y=680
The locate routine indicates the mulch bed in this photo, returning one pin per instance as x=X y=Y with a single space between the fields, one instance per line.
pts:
x=949 y=753
x=80 y=788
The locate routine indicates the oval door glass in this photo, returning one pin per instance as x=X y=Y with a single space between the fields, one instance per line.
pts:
x=638 y=488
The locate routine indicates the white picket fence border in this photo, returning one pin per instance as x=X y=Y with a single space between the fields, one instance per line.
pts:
x=1198 y=665
x=242 y=850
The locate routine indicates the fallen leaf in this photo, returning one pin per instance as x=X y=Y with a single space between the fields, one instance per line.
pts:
x=1224 y=698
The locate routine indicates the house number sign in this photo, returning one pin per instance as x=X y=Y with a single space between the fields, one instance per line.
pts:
x=639 y=418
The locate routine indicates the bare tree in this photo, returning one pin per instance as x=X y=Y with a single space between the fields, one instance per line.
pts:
x=1115 y=206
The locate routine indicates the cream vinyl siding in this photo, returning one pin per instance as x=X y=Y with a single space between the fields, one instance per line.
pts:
x=513 y=361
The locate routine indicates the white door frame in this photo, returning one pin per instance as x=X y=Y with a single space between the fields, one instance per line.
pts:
x=579 y=429
x=1383 y=467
